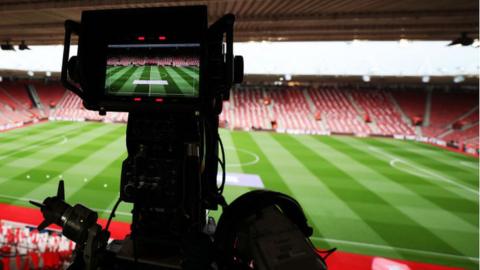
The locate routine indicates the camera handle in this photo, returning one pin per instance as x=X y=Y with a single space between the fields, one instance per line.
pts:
x=70 y=66
x=226 y=69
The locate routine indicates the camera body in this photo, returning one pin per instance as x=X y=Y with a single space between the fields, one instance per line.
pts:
x=148 y=43
x=171 y=73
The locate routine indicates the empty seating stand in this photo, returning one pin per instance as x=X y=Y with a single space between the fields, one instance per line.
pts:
x=323 y=109
x=378 y=106
x=339 y=113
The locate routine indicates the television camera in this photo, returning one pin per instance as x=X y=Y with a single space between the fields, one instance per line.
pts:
x=171 y=72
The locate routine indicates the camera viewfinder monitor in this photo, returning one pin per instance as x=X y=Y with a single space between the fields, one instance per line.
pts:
x=143 y=58
x=153 y=70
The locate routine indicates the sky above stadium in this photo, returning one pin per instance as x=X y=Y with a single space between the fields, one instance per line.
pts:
x=374 y=58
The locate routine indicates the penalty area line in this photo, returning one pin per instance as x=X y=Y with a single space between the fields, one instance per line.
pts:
x=384 y=247
x=435 y=175
x=469 y=165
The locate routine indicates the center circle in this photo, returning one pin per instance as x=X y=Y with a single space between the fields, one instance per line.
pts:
x=253 y=161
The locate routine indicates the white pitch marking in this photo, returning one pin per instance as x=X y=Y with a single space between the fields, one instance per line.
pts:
x=393 y=163
x=469 y=165
x=65 y=140
x=150 y=82
x=27 y=148
x=255 y=160
x=437 y=176
x=415 y=251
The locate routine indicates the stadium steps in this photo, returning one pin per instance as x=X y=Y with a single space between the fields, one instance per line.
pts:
x=403 y=115
x=323 y=123
x=269 y=110
x=446 y=133
x=418 y=131
x=428 y=108
x=360 y=112
x=53 y=111
x=373 y=126
x=450 y=130
x=469 y=125
x=4 y=119
x=311 y=105
x=18 y=104
x=32 y=93
x=354 y=103
x=62 y=100
x=465 y=115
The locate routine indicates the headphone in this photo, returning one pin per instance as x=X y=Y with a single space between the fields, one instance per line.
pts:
x=247 y=205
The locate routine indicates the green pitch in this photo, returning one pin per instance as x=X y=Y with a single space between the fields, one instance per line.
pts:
x=176 y=81
x=372 y=196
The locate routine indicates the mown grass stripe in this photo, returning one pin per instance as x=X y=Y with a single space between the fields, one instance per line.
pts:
x=191 y=72
x=423 y=212
x=430 y=162
x=110 y=80
x=17 y=132
x=171 y=88
x=353 y=193
x=184 y=88
x=433 y=193
x=112 y=71
x=143 y=88
x=26 y=133
x=89 y=167
x=48 y=156
x=434 y=155
x=110 y=175
x=118 y=83
x=327 y=211
x=156 y=89
x=465 y=178
x=85 y=169
x=20 y=185
x=191 y=80
x=270 y=177
x=443 y=151
x=232 y=154
x=40 y=139
x=14 y=157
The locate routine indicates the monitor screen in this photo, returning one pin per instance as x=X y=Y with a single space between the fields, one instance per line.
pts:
x=153 y=70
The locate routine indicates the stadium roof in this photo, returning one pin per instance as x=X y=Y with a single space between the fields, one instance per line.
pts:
x=41 y=21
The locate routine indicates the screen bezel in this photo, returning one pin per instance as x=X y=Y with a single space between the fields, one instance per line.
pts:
x=105 y=27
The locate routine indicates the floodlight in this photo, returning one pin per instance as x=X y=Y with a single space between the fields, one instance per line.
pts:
x=458 y=79
x=403 y=42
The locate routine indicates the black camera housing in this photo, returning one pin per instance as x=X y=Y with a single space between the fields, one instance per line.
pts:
x=100 y=29
x=170 y=174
